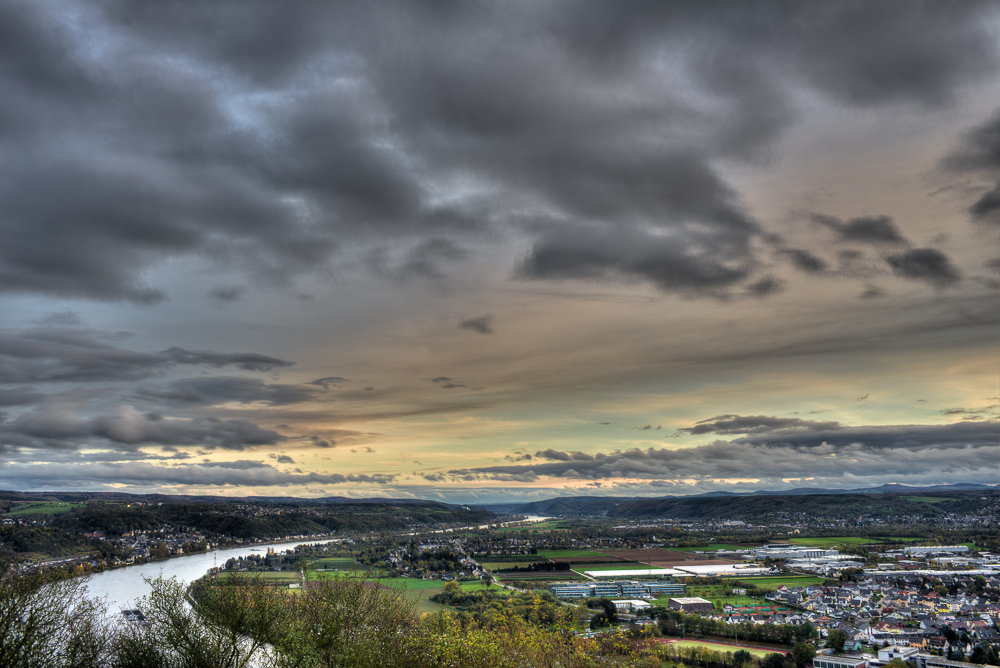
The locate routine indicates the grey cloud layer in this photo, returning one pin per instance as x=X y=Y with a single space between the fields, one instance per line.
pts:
x=598 y=130
x=56 y=424
x=72 y=476
x=222 y=389
x=978 y=152
x=779 y=448
x=82 y=355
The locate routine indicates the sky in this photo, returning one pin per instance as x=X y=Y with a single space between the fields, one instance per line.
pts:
x=498 y=251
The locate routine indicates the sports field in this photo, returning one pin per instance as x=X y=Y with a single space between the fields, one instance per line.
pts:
x=759 y=652
x=773 y=583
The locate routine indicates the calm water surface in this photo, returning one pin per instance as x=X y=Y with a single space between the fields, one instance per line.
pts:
x=123 y=586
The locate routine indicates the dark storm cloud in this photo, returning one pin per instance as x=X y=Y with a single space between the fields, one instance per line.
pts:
x=669 y=262
x=864 y=229
x=145 y=131
x=808 y=452
x=978 y=148
x=20 y=396
x=446 y=383
x=482 y=324
x=987 y=207
x=83 y=355
x=872 y=292
x=236 y=474
x=222 y=389
x=925 y=264
x=754 y=424
x=978 y=152
x=227 y=294
x=426 y=260
x=58 y=424
x=329 y=381
x=805 y=261
x=245 y=361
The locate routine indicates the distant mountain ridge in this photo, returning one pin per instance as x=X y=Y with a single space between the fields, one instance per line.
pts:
x=887 y=499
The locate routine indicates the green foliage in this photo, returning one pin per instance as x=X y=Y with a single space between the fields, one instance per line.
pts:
x=48 y=624
x=488 y=608
x=803 y=653
x=835 y=640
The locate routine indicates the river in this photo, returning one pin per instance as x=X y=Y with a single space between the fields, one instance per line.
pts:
x=122 y=587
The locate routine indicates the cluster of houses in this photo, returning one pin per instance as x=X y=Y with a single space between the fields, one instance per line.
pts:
x=913 y=615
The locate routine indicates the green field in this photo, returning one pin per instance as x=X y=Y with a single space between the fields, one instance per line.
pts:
x=772 y=583
x=709 y=590
x=719 y=647
x=929 y=499
x=506 y=564
x=614 y=566
x=478 y=585
x=555 y=576
x=831 y=541
x=336 y=563
x=570 y=553
x=42 y=508
x=710 y=548
x=900 y=539
x=274 y=577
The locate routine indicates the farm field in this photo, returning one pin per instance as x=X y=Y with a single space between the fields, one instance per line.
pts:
x=506 y=564
x=553 y=554
x=723 y=647
x=612 y=566
x=555 y=576
x=773 y=583
x=929 y=499
x=713 y=547
x=666 y=558
x=340 y=564
x=46 y=508
x=831 y=541
x=272 y=577
x=899 y=539
x=589 y=560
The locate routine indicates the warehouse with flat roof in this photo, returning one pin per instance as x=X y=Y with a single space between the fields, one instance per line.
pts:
x=690 y=604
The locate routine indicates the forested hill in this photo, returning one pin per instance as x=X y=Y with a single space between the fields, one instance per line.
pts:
x=772 y=507
x=240 y=518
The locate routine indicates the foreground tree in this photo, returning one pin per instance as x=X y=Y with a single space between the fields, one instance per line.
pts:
x=50 y=624
x=228 y=627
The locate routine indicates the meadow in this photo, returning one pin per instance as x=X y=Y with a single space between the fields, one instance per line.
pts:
x=614 y=566
x=550 y=554
x=42 y=508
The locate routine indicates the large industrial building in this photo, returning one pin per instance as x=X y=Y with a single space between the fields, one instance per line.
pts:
x=690 y=604
x=614 y=589
x=793 y=552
